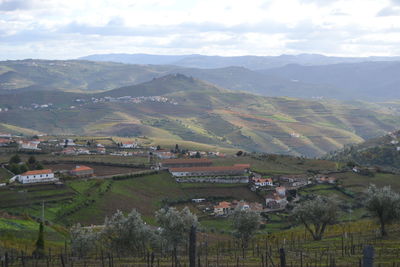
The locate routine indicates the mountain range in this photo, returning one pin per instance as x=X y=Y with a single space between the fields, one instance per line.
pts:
x=178 y=108
x=249 y=62
x=370 y=81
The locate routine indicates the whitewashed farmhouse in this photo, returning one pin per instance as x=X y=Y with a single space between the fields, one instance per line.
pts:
x=38 y=176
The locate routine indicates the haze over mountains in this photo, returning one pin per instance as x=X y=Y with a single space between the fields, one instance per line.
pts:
x=370 y=81
x=249 y=62
x=226 y=106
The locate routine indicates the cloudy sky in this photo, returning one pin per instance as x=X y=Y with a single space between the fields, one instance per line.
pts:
x=71 y=28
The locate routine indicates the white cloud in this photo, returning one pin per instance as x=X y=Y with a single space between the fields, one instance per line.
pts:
x=68 y=29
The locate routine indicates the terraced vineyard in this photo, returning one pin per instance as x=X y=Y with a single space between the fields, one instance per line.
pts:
x=204 y=114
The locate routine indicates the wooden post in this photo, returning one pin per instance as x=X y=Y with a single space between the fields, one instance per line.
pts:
x=192 y=247
x=282 y=257
x=368 y=256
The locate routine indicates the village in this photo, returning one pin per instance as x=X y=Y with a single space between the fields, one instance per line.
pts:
x=94 y=100
x=274 y=192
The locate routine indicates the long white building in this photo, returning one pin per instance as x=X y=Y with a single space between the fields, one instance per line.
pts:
x=38 y=176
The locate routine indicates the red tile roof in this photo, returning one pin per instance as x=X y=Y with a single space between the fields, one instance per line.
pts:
x=82 y=168
x=247 y=166
x=183 y=161
x=223 y=205
x=37 y=172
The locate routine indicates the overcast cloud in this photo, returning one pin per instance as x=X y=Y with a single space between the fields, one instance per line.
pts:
x=69 y=29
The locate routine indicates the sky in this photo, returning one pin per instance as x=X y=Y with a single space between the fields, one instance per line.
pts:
x=66 y=29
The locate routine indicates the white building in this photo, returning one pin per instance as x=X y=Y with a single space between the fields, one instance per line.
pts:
x=129 y=145
x=33 y=145
x=38 y=176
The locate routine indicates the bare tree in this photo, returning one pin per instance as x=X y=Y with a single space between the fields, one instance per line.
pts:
x=316 y=215
x=175 y=227
x=384 y=204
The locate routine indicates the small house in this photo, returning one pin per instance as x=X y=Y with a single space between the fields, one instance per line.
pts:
x=82 y=171
x=223 y=208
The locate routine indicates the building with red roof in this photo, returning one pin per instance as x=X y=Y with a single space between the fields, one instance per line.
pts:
x=181 y=163
x=82 y=171
x=37 y=176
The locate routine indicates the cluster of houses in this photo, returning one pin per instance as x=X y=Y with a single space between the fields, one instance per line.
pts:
x=48 y=176
x=128 y=99
x=201 y=170
x=225 y=208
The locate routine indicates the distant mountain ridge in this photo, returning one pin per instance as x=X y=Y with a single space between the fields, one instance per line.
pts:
x=178 y=108
x=249 y=62
x=371 y=81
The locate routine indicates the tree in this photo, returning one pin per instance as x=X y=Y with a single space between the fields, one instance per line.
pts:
x=126 y=233
x=39 y=245
x=245 y=223
x=66 y=142
x=23 y=168
x=316 y=214
x=175 y=227
x=32 y=160
x=15 y=159
x=83 y=240
x=158 y=147
x=14 y=168
x=197 y=155
x=177 y=148
x=239 y=153
x=39 y=166
x=384 y=204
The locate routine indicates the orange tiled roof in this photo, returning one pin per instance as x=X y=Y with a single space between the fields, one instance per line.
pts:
x=82 y=168
x=242 y=165
x=37 y=172
x=223 y=205
x=189 y=160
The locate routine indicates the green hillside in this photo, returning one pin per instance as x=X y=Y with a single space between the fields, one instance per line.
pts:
x=192 y=110
x=73 y=74
x=383 y=151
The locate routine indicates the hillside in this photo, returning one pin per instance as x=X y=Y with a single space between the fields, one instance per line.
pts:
x=73 y=75
x=70 y=75
x=177 y=108
x=368 y=80
x=382 y=151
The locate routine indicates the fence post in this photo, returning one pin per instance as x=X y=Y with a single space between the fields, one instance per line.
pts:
x=192 y=247
x=368 y=256
x=282 y=257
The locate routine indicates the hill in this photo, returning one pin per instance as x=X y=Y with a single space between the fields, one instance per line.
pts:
x=250 y=62
x=71 y=75
x=74 y=75
x=180 y=108
x=369 y=81
x=366 y=80
x=383 y=151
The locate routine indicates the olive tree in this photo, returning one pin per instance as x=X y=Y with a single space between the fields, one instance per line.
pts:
x=126 y=233
x=245 y=223
x=384 y=204
x=316 y=214
x=83 y=240
x=175 y=227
